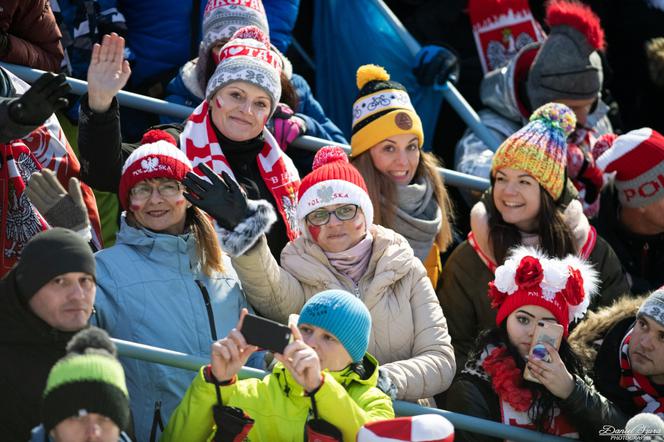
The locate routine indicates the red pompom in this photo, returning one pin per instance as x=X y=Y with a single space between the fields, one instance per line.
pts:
x=154 y=135
x=574 y=292
x=329 y=154
x=253 y=33
x=578 y=16
x=529 y=274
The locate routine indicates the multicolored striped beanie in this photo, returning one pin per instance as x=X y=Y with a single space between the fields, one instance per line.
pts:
x=540 y=147
x=89 y=379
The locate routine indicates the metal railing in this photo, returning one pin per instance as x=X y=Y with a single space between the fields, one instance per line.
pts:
x=461 y=421
x=161 y=107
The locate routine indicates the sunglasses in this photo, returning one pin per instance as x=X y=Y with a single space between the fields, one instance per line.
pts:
x=320 y=217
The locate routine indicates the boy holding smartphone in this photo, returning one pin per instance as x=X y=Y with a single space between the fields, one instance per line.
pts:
x=324 y=379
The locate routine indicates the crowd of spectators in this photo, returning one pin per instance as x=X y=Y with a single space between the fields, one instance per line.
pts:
x=362 y=257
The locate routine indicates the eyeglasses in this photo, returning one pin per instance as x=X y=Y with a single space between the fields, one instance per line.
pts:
x=167 y=189
x=320 y=217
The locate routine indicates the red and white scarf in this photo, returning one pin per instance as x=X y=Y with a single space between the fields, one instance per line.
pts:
x=644 y=394
x=48 y=147
x=199 y=142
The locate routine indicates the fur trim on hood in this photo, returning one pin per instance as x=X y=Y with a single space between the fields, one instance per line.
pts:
x=587 y=337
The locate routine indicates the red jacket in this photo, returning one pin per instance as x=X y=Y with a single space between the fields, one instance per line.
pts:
x=34 y=36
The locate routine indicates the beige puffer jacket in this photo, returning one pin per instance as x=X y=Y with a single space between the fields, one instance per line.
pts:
x=409 y=334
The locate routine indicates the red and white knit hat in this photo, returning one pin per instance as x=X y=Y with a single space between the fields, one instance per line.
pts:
x=158 y=157
x=637 y=158
x=247 y=57
x=528 y=277
x=420 y=428
x=333 y=181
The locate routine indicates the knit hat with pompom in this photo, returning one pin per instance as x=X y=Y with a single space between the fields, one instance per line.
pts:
x=540 y=147
x=382 y=109
x=333 y=181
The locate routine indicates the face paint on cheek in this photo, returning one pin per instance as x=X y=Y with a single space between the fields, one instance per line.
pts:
x=219 y=102
x=262 y=116
x=314 y=231
x=358 y=223
x=134 y=207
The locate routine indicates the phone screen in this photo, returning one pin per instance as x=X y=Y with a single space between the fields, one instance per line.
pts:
x=265 y=333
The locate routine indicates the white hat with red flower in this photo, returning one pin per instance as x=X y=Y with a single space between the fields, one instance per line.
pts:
x=529 y=277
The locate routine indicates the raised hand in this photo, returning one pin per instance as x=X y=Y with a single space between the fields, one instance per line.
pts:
x=45 y=96
x=221 y=197
x=108 y=72
x=230 y=354
x=59 y=207
x=553 y=375
x=302 y=362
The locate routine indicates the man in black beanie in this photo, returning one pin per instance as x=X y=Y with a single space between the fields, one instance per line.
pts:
x=44 y=300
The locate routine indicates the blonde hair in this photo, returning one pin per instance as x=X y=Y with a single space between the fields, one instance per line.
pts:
x=382 y=188
x=207 y=245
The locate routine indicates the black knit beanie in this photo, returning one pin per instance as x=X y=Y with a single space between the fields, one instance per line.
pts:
x=49 y=254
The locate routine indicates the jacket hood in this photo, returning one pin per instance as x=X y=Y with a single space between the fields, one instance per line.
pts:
x=390 y=261
x=344 y=377
x=588 y=333
x=162 y=247
x=498 y=89
x=19 y=326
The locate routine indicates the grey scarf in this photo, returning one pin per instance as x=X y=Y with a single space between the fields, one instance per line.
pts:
x=418 y=217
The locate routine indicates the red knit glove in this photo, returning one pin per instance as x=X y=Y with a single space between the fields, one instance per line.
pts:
x=286 y=126
x=584 y=172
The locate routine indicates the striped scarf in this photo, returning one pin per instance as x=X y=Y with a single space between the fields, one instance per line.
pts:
x=644 y=394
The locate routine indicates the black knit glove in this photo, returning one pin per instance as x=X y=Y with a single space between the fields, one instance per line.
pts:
x=46 y=96
x=59 y=207
x=221 y=198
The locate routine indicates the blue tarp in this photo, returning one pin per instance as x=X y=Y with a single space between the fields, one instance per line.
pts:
x=350 y=33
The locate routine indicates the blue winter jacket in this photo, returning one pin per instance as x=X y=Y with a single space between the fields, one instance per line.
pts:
x=184 y=89
x=151 y=290
x=281 y=17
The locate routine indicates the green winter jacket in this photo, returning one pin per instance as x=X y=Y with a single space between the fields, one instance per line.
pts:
x=280 y=407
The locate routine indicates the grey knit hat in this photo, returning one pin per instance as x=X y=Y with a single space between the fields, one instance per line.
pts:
x=221 y=19
x=653 y=306
x=567 y=65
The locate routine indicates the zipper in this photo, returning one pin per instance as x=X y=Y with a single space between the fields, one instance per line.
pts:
x=208 y=307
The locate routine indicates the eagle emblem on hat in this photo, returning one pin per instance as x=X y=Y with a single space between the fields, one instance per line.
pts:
x=150 y=164
x=325 y=194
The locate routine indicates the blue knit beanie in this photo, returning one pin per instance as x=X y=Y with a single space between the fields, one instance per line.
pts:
x=343 y=315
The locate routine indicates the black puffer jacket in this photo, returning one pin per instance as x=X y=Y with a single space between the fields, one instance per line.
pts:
x=28 y=349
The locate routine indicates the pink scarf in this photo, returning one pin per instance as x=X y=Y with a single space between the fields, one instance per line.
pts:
x=199 y=142
x=354 y=261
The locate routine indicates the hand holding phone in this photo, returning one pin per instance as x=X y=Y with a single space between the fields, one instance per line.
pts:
x=228 y=355
x=264 y=333
x=546 y=332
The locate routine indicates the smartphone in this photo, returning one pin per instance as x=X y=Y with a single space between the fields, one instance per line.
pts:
x=548 y=332
x=265 y=334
